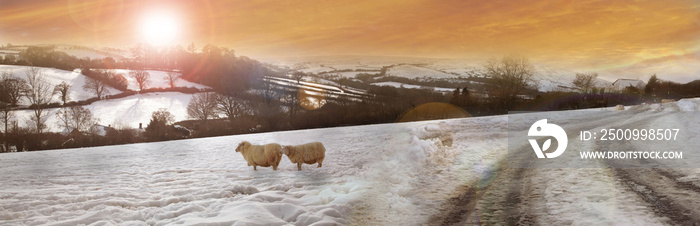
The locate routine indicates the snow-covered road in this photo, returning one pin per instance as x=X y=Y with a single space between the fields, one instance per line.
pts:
x=601 y=193
x=431 y=172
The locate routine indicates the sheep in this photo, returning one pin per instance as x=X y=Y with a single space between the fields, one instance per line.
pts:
x=309 y=153
x=261 y=155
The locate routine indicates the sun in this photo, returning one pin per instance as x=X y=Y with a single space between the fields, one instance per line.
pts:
x=159 y=28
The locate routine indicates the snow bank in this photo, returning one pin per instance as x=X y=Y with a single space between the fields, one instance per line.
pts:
x=688 y=104
x=683 y=105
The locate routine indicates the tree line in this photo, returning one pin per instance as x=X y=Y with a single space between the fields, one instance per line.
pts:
x=244 y=100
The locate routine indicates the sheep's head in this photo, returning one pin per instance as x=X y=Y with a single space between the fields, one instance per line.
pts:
x=241 y=146
x=285 y=150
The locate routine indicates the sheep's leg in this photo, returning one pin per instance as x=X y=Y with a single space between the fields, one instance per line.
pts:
x=299 y=166
x=255 y=167
x=274 y=167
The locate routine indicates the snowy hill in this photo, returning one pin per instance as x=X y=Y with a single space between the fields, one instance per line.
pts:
x=552 y=78
x=92 y=53
x=56 y=76
x=84 y=53
x=128 y=111
x=547 y=77
x=390 y=174
x=372 y=174
x=157 y=80
x=408 y=86
x=412 y=71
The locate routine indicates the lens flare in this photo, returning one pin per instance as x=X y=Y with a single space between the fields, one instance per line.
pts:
x=432 y=111
x=160 y=28
x=311 y=100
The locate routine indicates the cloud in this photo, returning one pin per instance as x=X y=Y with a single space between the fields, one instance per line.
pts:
x=589 y=34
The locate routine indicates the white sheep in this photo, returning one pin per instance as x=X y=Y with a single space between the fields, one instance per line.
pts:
x=261 y=155
x=306 y=153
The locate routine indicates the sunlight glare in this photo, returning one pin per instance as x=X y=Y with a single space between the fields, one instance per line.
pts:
x=159 y=28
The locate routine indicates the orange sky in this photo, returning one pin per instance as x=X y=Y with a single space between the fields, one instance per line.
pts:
x=589 y=34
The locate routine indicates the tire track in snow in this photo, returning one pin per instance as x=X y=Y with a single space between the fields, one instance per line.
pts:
x=497 y=202
x=661 y=188
x=512 y=197
x=587 y=193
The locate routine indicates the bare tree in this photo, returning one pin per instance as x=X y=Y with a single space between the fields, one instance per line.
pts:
x=6 y=116
x=62 y=90
x=171 y=77
x=96 y=86
x=270 y=91
x=202 y=106
x=298 y=75
x=76 y=117
x=585 y=81
x=141 y=77
x=39 y=93
x=293 y=102
x=12 y=88
x=231 y=106
x=508 y=77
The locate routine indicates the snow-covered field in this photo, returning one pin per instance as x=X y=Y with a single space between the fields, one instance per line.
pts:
x=351 y=74
x=554 y=79
x=316 y=70
x=389 y=174
x=547 y=77
x=411 y=71
x=409 y=86
x=128 y=111
x=378 y=174
x=93 y=53
x=55 y=77
x=157 y=79
x=84 y=53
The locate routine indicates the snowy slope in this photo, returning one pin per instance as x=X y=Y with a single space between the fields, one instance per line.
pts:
x=351 y=74
x=390 y=174
x=548 y=77
x=92 y=53
x=411 y=71
x=409 y=86
x=55 y=77
x=157 y=79
x=376 y=174
x=553 y=78
x=128 y=111
x=84 y=53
